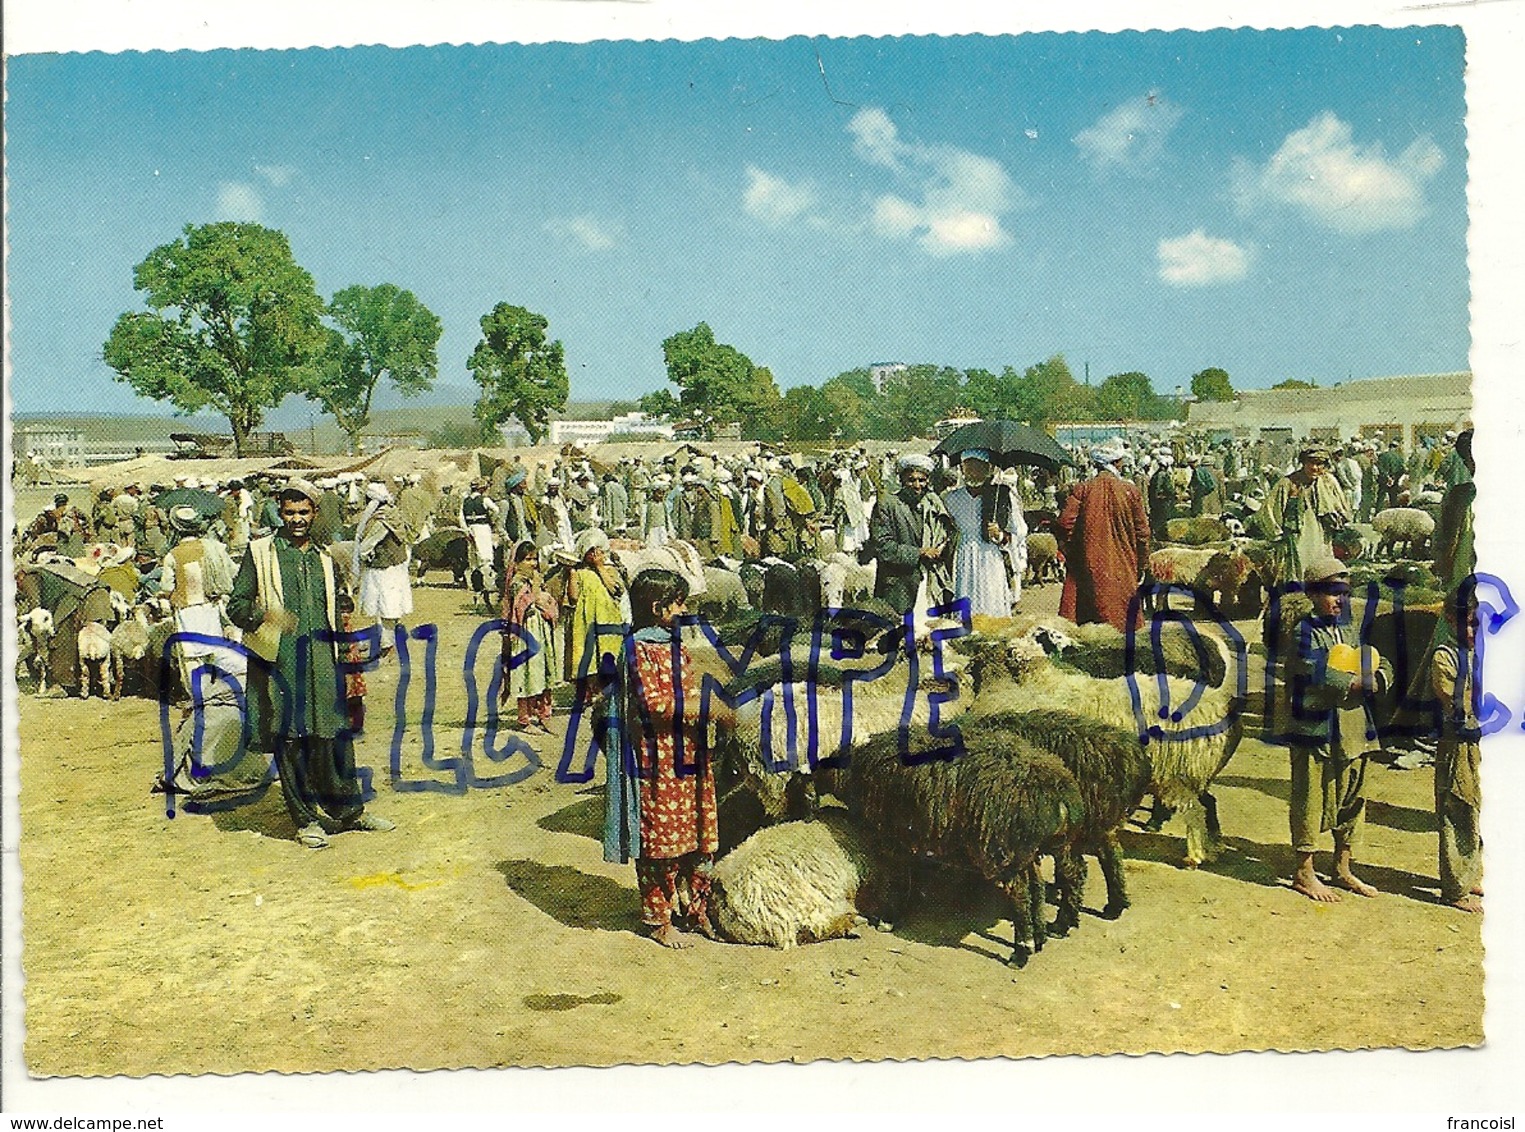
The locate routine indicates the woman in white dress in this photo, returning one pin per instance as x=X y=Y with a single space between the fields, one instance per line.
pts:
x=987 y=538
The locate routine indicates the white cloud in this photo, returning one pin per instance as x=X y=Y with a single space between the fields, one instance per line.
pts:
x=962 y=195
x=1199 y=260
x=592 y=233
x=1339 y=184
x=775 y=200
x=1131 y=136
x=279 y=176
x=239 y=201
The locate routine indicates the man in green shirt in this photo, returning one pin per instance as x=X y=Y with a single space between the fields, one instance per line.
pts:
x=284 y=596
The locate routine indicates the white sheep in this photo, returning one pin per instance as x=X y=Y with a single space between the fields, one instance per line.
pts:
x=37 y=630
x=723 y=591
x=1182 y=768
x=844 y=579
x=129 y=646
x=94 y=642
x=1407 y=527
x=793 y=883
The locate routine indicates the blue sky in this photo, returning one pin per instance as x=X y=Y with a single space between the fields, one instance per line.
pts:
x=1281 y=204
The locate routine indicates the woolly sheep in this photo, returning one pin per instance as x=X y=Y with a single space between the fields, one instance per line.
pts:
x=792 y=884
x=1113 y=772
x=1405 y=527
x=1023 y=674
x=1043 y=562
x=1101 y=650
x=37 y=630
x=997 y=809
x=94 y=643
x=130 y=649
x=844 y=580
x=723 y=591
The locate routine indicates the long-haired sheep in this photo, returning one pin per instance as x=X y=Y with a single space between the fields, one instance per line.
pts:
x=1101 y=650
x=794 y=883
x=997 y=808
x=130 y=651
x=94 y=643
x=37 y=644
x=1020 y=673
x=1113 y=771
x=1406 y=527
x=1043 y=561
x=779 y=779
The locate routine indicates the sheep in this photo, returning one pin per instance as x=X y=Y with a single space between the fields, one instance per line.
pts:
x=1183 y=768
x=844 y=579
x=1407 y=527
x=676 y=555
x=1179 y=565
x=791 y=884
x=37 y=630
x=1101 y=650
x=779 y=778
x=94 y=665
x=998 y=808
x=1113 y=772
x=1043 y=561
x=1195 y=531
x=1232 y=578
x=723 y=591
x=130 y=649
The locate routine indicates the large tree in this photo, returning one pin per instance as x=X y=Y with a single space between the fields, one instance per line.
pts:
x=717 y=382
x=1127 y=397
x=233 y=324
x=521 y=374
x=1212 y=384
x=383 y=332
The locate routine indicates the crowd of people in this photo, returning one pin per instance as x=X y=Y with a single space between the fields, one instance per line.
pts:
x=281 y=560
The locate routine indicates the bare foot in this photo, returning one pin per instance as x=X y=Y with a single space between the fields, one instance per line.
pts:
x=1468 y=904
x=704 y=927
x=1476 y=890
x=1314 y=889
x=1354 y=884
x=669 y=936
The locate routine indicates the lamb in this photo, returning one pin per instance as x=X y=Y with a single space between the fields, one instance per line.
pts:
x=1043 y=561
x=794 y=883
x=130 y=649
x=1183 y=767
x=94 y=667
x=1232 y=579
x=1101 y=650
x=998 y=808
x=1113 y=772
x=37 y=643
x=1407 y=527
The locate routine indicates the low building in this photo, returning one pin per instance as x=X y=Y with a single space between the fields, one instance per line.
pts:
x=584 y=433
x=1410 y=409
x=53 y=445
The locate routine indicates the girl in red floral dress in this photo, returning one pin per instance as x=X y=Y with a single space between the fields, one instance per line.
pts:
x=678 y=833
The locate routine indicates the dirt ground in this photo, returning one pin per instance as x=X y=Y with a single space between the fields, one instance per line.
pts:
x=487 y=930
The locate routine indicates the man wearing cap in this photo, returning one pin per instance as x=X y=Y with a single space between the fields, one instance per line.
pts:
x=1390 y=473
x=477 y=515
x=1105 y=536
x=1303 y=512
x=380 y=561
x=196 y=575
x=517 y=515
x=66 y=522
x=991 y=529
x=285 y=595
x=1322 y=713
x=910 y=535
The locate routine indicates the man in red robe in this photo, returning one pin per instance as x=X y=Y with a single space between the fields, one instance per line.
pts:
x=1105 y=535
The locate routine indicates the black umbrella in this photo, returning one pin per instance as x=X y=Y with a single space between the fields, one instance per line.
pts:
x=1008 y=442
x=207 y=504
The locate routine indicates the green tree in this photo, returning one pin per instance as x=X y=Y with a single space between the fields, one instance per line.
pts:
x=717 y=382
x=913 y=400
x=1048 y=391
x=1212 y=384
x=660 y=404
x=1293 y=383
x=234 y=324
x=382 y=331
x=521 y=374
x=1125 y=396
x=806 y=414
x=848 y=397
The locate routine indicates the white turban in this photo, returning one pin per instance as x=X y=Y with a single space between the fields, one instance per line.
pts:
x=914 y=460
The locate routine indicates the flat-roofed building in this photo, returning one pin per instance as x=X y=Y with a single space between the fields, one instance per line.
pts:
x=54 y=445
x=1410 y=409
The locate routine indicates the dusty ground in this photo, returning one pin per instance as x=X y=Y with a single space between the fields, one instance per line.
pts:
x=487 y=930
